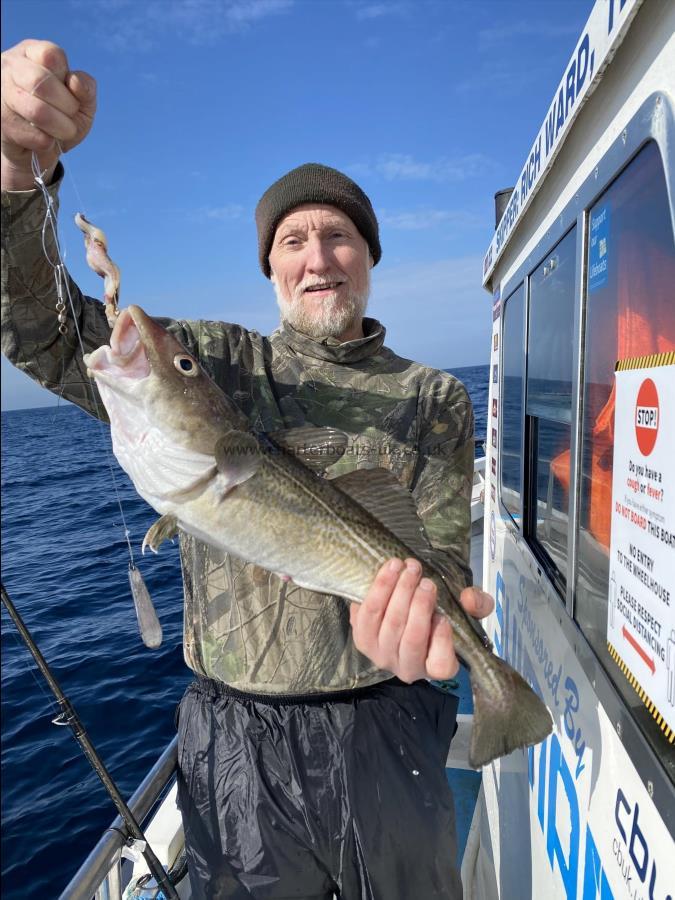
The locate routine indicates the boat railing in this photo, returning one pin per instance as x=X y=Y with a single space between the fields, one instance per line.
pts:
x=100 y=875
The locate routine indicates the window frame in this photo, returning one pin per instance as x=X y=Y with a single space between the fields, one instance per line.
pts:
x=654 y=121
x=504 y=510
x=531 y=424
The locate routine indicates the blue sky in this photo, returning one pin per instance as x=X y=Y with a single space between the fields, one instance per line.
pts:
x=430 y=106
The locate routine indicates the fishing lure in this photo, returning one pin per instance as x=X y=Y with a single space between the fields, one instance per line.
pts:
x=96 y=245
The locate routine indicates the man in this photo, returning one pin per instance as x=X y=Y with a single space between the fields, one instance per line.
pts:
x=306 y=768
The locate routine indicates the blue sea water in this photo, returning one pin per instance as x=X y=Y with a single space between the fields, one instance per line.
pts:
x=64 y=564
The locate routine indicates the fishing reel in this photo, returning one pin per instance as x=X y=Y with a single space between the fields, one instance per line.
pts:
x=146 y=888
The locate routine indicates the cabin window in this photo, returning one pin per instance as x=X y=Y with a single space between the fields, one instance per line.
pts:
x=549 y=405
x=513 y=324
x=630 y=312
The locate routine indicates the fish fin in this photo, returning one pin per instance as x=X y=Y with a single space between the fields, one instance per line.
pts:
x=148 y=623
x=517 y=717
x=380 y=492
x=164 y=529
x=317 y=448
x=238 y=456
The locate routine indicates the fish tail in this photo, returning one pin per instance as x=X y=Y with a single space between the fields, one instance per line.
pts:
x=505 y=720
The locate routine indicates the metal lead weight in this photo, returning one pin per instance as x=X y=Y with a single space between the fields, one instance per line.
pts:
x=148 y=623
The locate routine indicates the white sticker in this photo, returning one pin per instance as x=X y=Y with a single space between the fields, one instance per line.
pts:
x=641 y=598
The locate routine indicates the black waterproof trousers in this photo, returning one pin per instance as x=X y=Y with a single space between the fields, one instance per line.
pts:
x=340 y=795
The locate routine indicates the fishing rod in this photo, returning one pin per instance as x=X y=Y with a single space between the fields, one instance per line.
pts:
x=70 y=717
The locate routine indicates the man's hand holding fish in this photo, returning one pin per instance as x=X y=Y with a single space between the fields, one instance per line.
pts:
x=397 y=624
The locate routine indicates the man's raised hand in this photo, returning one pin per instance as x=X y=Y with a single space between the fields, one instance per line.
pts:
x=46 y=108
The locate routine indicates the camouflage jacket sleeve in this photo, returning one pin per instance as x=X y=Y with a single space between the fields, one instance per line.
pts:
x=444 y=474
x=30 y=328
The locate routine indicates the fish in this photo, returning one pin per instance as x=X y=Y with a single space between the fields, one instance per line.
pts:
x=192 y=454
x=96 y=246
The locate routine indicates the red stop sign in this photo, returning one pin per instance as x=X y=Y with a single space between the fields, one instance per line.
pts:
x=647 y=416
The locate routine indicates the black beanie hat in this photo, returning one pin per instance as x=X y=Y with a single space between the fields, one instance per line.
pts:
x=314 y=183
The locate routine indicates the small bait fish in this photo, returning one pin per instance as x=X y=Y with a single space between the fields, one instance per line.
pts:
x=96 y=245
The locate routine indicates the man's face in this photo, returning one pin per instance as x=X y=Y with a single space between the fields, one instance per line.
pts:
x=321 y=272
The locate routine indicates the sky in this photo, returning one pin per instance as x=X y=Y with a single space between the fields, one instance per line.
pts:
x=430 y=106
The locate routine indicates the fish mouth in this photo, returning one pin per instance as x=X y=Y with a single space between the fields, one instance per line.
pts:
x=126 y=357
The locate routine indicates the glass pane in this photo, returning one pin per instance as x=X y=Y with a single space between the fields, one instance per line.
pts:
x=549 y=348
x=512 y=401
x=549 y=397
x=629 y=312
x=551 y=480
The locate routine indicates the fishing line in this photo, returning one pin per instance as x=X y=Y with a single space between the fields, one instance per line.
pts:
x=71 y=179
x=25 y=666
x=148 y=622
x=62 y=281
x=62 y=381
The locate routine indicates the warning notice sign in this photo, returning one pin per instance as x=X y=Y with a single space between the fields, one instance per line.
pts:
x=641 y=600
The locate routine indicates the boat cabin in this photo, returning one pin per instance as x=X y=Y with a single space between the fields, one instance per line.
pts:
x=579 y=542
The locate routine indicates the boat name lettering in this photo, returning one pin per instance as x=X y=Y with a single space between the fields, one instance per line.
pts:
x=582 y=870
x=579 y=71
x=508 y=221
x=562 y=820
x=571 y=697
x=571 y=847
x=603 y=31
x=554 y=793
x=637 y=860
x=549 y=668
x=574 y=734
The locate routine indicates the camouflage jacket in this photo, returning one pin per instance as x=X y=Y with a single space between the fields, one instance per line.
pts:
x=244 y=625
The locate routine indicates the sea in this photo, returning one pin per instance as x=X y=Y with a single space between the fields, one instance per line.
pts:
x=64 y=565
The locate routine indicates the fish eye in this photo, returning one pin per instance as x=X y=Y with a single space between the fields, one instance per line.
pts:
x=185 y=364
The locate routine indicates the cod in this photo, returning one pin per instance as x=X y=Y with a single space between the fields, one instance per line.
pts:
x=193 y=456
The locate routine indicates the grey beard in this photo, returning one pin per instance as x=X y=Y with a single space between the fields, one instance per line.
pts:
x=333 y=319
